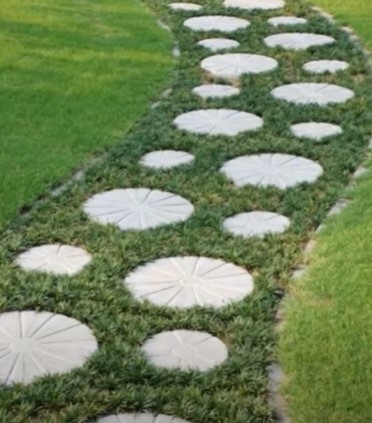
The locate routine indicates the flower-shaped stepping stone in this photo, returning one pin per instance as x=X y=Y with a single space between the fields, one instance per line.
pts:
x=298 y=40
x=234 y=65
x=315 y=131
x=166 y=159
x=277 y=170
x=218 y=122
x=216 y=23
x=138 y=208
x=256 y=224
x=325 y=66
x=35 y=344
x=216 y=44
x=185 y=282
x=187 y=7
x=185 y=350
x=287 y=20
x=255 y=4
x=56 y=259
x=308 y=93
x=215 y=91
x=140 y=418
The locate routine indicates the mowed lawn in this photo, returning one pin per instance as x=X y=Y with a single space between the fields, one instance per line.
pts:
x=74 y=75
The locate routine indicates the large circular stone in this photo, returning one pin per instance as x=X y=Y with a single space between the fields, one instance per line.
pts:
x=216 y=44
x=254 y=4
x=187 y=7
x=140 y=418
x=325 y=66
x=315 y=131
x=298 y=40
x=216 y=23
x=215 y=91
x=166 y=159
x=287 y=20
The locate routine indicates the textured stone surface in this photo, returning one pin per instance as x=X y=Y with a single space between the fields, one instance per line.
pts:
x=215 y=44
x=166 y=159
x=315 y=131
x=188 y=7
x=140 y=418
x=298 y=40
x=325 y=66
x=287 y=20
x=216 y=23
x=215 y=91
x=255 y=4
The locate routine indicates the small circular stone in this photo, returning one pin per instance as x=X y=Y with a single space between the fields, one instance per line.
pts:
x=37 y=344
x=185 y=350
x=287 y=20
x=256 y=224
x=298 y=40
x=255 y=4
x=218 y=122
x=187 y=7
x=185 y=282
x=215 y=91
x=166 y=159
x=56 y=259
x=140 y=418
x=325 y=66
x=215 y=44
x=315 y=131
x=279 y=170
x=313 y=93
x=234 y=65
x=216 y=23
x=138 y=209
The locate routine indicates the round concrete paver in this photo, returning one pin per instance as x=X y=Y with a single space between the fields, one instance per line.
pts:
x=138 y=208
x=278 y=170
x=35 y=344
x=56 y=259
x=216 y=44
x=309 y=93
x=215 y=91
x=315 y=131
x=287 y=20
x=298 y=40
x=140 y=418
x=234 y=65
x=256 y=224
x=186 y=7
x=216 y=23
x=185 y=282
x=166 y=159
x=218 y=122
x=185 y=350
x=325 y=66
x=255 y=4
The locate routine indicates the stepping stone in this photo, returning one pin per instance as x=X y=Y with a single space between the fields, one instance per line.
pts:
x=138 y=208
x=298 y=40
x=166 y=159
x=35 y=344
x=56 y=259
x=325 y=66
x=215 y=91
x=140 y=418
x=187 y=7
x=287 y=20
x=218 y=122
x=216 y=23
x=234 y=65
x=255 y=4
x=312 y=93
x=256 y=224
x=185 y=350
x=215 y=44
x=278 y=170
x=315 y=131
x=185 y=282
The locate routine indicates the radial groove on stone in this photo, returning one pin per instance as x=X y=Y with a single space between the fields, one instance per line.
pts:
x=315 y=131
x=215 y=91
x=185 y=350
x=278 y=170
x=35 y=344
x=189 y=281
x=215 y=44
x=234 y=65
x=325 y=66
x=308 y=93
x=56 y=259
x=216 y=23
x=256 y=224
x=187 y=7
x=218 y=122
x=166 y=159
x=138 y=208
x=140 y=418
x=298 y=40
x=255 y=4
x=287 y=20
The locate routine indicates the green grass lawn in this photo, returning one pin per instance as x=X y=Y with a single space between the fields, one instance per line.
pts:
x=74 y=75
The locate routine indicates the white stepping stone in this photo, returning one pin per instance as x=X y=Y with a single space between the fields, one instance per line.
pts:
x=215 y=91
x=325 y=66
x=37 y=344
x=287 y=20
x=313 y=93
x=216 y=23
x=256 y=224
x=315 y=131
x=215 y=44
x=138 y=208
x=298 y=40
x=234 y=65
x=218 y=122
x=255 y=4
x=189 y=281
x=56 y=259
x=166 y=159
x=278 y=170
x=185 y=350
x=140 y=418
x=187 y=7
